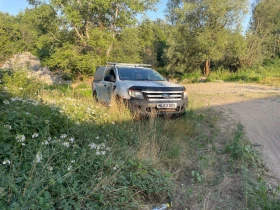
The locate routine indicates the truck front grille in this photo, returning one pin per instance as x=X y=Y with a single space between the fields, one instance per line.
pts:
x=163 y=96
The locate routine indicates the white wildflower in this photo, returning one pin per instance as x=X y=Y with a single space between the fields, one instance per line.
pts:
x=20 y=138
x=66 y=144
x=63 y=136
x=49 y=138
x=16 y=99
x=6 y=162
x=113 y=123
x=50 y=168
x=21 y=88
x=69 y=168
x=8 y=126
x=6 y=102
x=115 y=168
x=45 y=142
x=97 y=137
x=72 y=140
x=5 y=88
x=73 y=161
x=35 y=135
x=23 y=144
x=92 y=145
x=39 y=157
x=103 y=152
x=98 y=152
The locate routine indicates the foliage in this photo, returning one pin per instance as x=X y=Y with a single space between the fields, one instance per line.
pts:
x=153 y=36
x=263 y=35
x=263 y=195
x=258 y=193
x=207 y=26
x=10 y=36
x=238 y=149
x=76 y=36
x=268 y=74
x=127 y=47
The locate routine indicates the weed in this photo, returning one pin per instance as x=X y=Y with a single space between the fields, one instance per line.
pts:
x=198 y=177
x=243 y=151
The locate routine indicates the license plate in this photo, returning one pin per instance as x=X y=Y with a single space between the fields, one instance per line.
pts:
x=166 y=105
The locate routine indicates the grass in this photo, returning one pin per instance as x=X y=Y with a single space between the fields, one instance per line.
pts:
x=262 y=75
x=60 y=149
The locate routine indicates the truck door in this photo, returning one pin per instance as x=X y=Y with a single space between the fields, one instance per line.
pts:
x=108 y=84
x=97 y=82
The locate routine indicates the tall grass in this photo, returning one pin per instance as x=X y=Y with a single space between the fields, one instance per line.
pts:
x=257 y=192
x=260 y=74
x=61 y=150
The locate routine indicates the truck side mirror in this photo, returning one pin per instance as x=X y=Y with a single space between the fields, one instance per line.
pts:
x=110 y=78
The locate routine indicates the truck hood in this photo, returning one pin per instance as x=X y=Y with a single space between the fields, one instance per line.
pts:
x=153 y=85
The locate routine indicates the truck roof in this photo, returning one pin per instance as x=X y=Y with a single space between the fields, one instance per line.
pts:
x=129 y=64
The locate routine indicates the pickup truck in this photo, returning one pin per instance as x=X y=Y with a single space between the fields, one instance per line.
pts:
x=143 y=89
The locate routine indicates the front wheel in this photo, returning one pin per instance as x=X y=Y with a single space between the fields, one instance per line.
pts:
x=94 y=95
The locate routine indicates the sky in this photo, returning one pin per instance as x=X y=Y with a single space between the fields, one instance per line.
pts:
x=13 y=7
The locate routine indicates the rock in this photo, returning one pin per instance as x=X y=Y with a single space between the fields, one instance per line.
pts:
x=29 y=62
x=23 y=61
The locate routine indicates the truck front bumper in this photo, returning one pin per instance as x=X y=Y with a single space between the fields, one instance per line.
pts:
x=144 y=107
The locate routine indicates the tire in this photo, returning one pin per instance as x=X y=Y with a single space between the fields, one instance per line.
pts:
x=94 y=95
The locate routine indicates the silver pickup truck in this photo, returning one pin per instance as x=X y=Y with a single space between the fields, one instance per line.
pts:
x=143 y=89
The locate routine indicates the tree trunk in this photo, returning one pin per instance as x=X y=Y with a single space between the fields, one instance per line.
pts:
x=206 y=67
x=109 y=50
x=113 y=29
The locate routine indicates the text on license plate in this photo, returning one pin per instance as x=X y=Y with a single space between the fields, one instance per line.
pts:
x=166 y=105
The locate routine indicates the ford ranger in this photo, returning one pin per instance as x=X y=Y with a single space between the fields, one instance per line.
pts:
x=143 y=89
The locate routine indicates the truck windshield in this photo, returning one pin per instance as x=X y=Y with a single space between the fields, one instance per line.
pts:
x=139 y=74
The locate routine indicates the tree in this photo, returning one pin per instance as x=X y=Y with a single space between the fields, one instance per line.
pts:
x=209 y=24
x=127 y=47
x=107 y=15
x=153 y=40
x=263 y=36
x=91 y=29
x=39 y=29
x=10 y=37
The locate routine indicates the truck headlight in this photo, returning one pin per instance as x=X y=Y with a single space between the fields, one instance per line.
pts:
x=185 y=94
x=136 y=94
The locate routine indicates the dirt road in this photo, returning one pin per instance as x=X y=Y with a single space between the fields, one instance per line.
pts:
x=256 y=107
